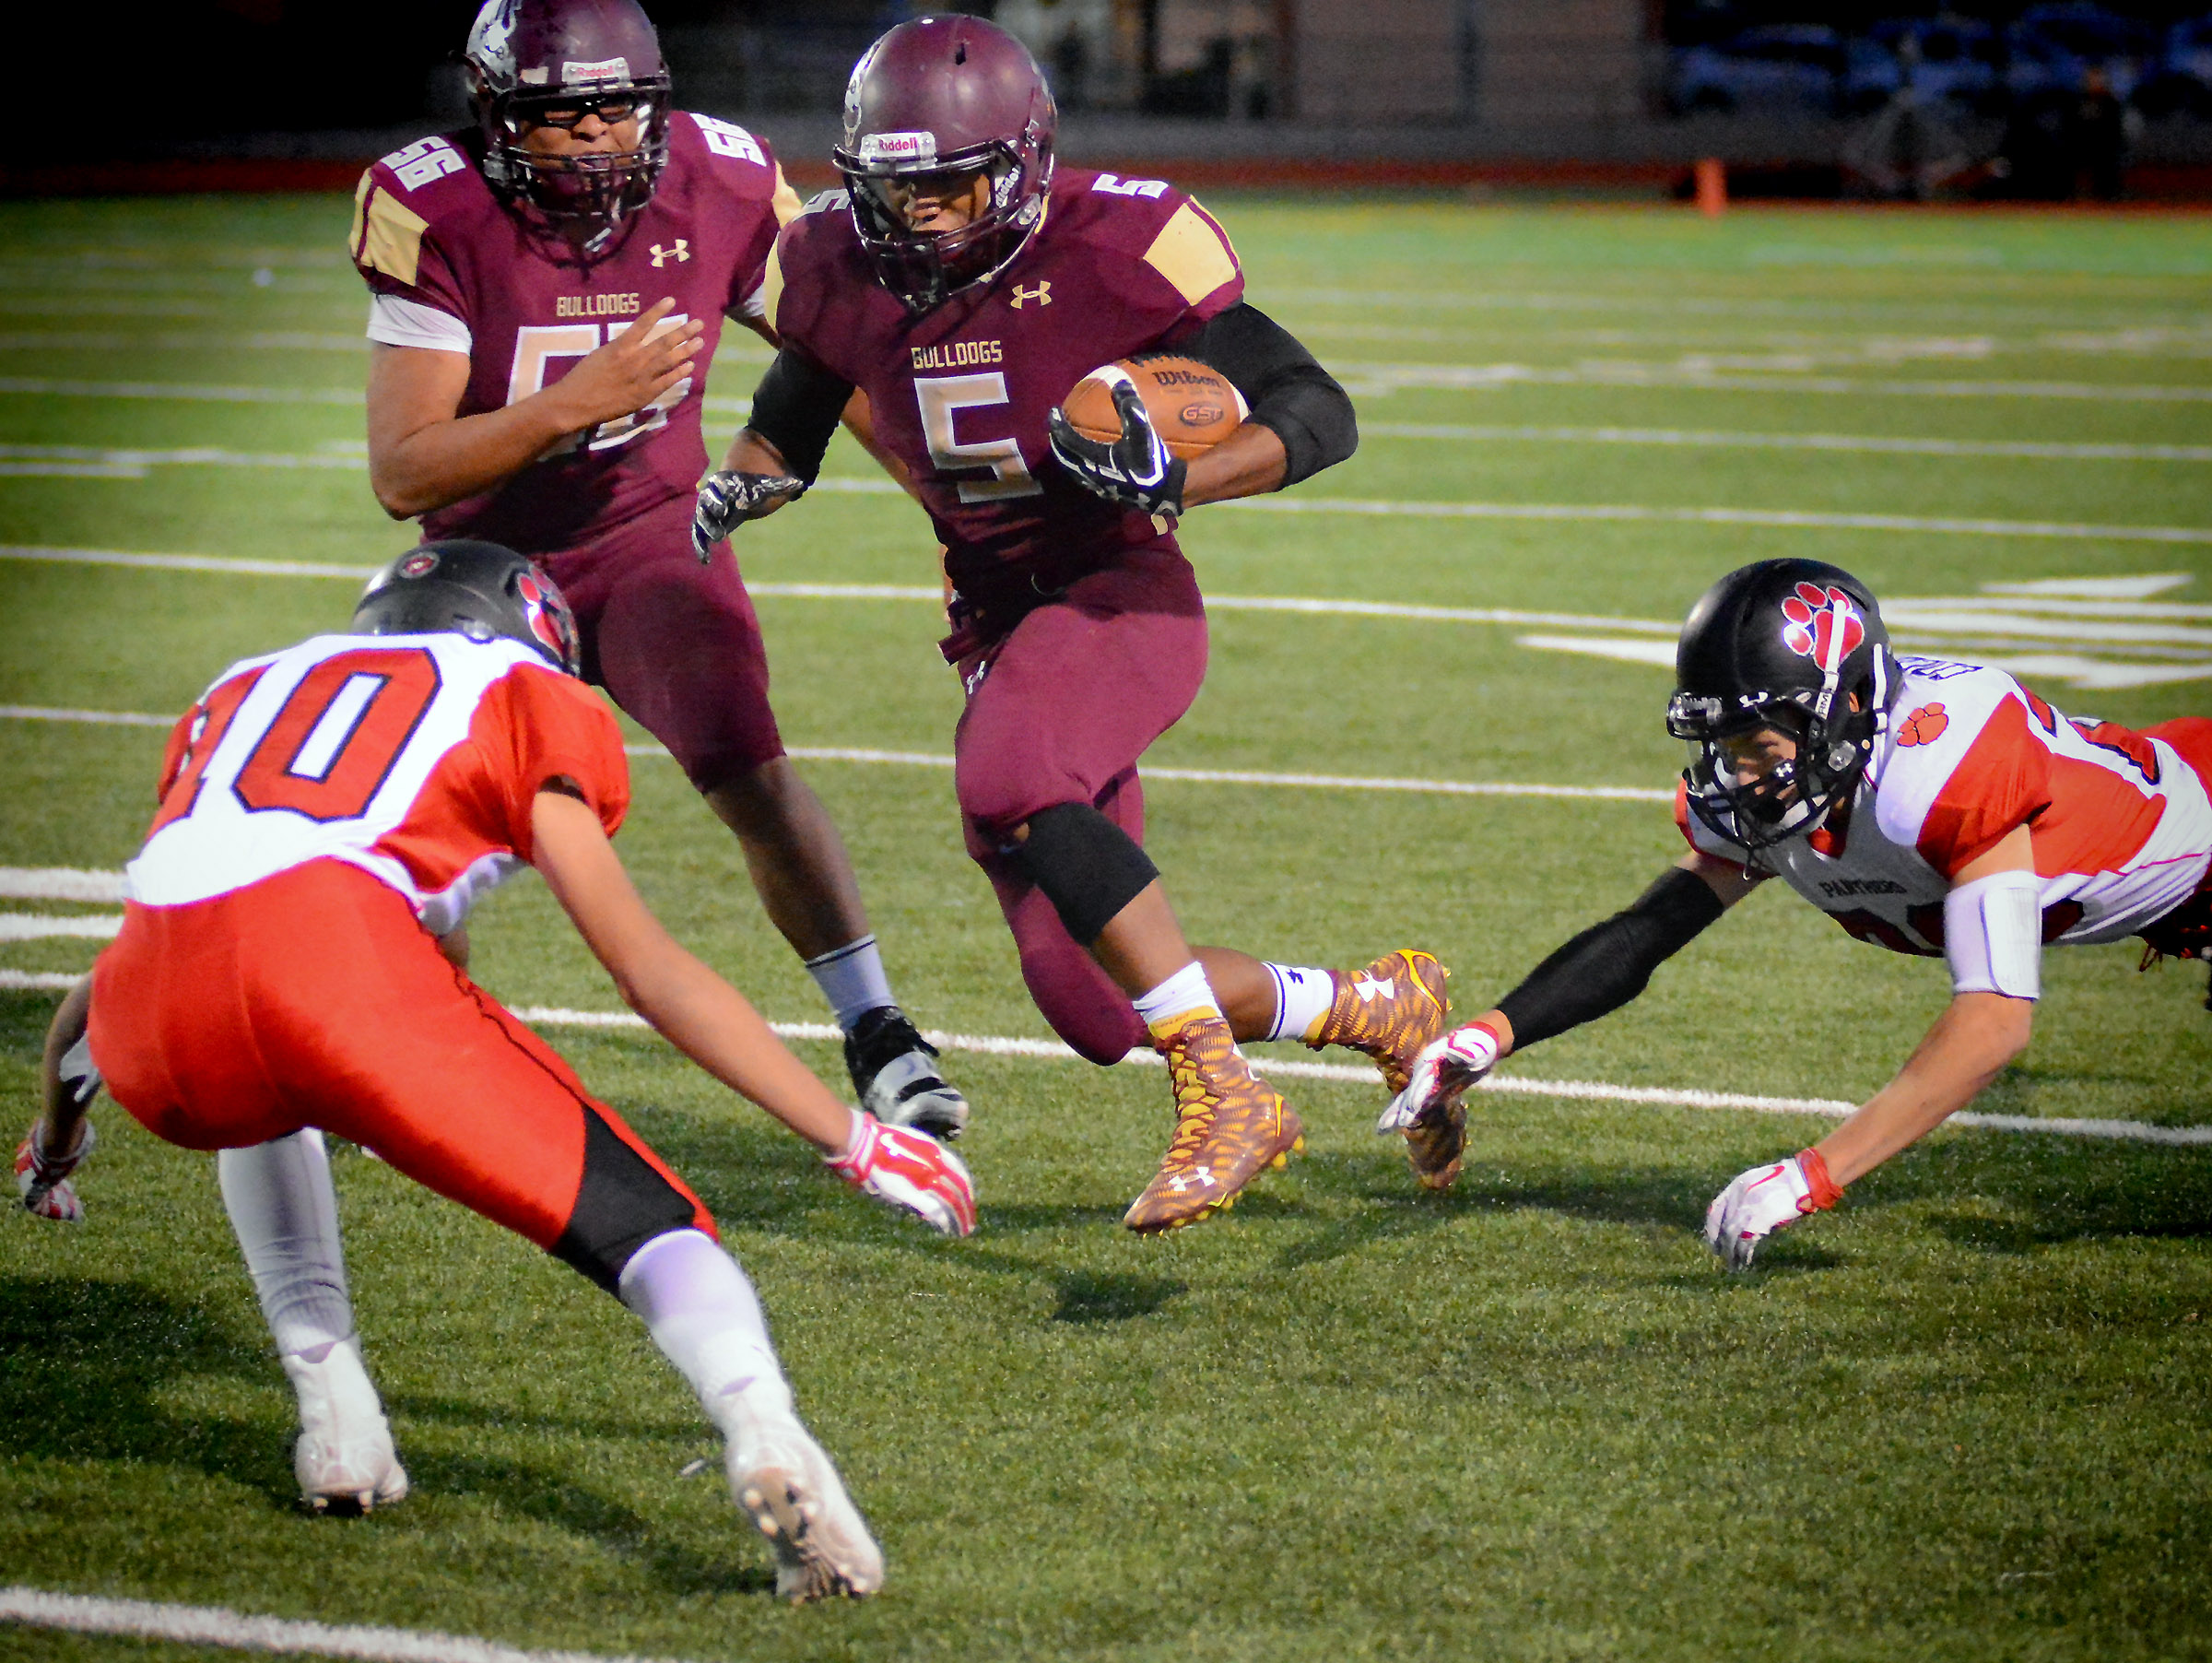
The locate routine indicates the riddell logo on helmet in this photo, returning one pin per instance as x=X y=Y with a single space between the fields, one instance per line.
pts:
x=1814 y=614
x=606 y=69
x=899 y=146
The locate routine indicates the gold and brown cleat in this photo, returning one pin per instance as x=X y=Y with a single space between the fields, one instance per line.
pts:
x=1389 y=1010
x=1229 y=1127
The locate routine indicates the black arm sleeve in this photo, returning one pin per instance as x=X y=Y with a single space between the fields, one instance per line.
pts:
x=1285 y=386
x=795 y=408
x=1610 y=963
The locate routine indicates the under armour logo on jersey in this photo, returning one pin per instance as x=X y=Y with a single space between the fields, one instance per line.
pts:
x=679 y=253
x=1370 y=989
x=1041 y=294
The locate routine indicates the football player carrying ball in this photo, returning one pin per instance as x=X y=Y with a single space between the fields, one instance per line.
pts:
x=965 y=288
x=1926 y=807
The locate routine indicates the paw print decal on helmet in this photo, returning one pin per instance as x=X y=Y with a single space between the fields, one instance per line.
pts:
x=1814 y=615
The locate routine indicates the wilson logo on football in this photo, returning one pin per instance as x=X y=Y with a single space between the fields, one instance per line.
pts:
x=1923 y=726
x=1814 y=615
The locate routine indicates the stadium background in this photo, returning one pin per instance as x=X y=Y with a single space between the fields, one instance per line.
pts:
x=1964 y=1416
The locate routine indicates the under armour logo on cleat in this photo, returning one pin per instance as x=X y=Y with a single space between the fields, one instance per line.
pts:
x=679 y=253
x=1041 y=294
x=1369 y=990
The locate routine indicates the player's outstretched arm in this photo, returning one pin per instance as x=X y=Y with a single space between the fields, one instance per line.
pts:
x=423 y=455
x=61 y=1135
x=1594 y=973
x=1993 y=938
x=778 y=452
x=717 y=1026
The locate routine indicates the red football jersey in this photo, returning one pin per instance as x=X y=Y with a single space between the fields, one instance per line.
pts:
x=960 y=395
x=416 y=758
x=453 y=269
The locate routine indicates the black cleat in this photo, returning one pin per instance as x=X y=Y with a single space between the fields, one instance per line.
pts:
x=894 y=1070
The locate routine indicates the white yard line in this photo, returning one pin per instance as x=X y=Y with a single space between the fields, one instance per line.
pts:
x=41 y=926
x=2026 y=449
x=1050 y=1050
x=59 y=883
x=216 y=1625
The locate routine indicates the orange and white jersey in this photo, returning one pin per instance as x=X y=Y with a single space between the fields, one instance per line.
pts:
x=415 y=758
x=2121 y=821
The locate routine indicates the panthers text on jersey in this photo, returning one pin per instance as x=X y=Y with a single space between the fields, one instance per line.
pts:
x=2121 y=821
x=959 y=393
x=453 y=269
x=413 y=758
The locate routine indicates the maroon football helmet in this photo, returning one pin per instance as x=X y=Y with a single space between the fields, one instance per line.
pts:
x=532 y=59
x=946 y=96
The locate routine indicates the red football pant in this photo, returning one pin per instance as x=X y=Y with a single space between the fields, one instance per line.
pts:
x=676 y=644
x=314 y=998
x=1065 y=705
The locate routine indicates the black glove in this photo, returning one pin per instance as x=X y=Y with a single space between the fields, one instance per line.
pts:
x=1134 y=470
x=726 y=499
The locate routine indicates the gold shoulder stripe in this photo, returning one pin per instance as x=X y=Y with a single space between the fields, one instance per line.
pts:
x=1192 y=255
x=771 y=286
x=391 y=239
x=785 y=201
x=360 y=201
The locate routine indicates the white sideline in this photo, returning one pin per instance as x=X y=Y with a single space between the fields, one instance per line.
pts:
x=1588 y=1091
x=216 y=1625
x=2040 y=450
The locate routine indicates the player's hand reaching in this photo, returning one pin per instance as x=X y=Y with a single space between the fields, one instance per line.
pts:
x=1765 y=1199
x=727 y=498
x=630 y=371
x=1134 y=470
x=910 y=1170
x=1447 y=1066
x=43 y=1182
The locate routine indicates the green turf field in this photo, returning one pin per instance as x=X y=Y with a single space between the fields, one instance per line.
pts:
x=1964 y=1417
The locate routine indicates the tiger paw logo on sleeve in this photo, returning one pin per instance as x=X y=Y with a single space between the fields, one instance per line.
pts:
x=1923 y=726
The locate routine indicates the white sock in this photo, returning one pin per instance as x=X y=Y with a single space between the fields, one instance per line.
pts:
x=1303 y=997
x=1186 y=990
x=281 y=1204
x=852 y=979
x=704 y=1315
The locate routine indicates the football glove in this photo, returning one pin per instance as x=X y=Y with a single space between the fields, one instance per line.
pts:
x=727 y=498
x=44 y=1183
x=1134 y=470
x=1443 y=1071
x=907 y=1169
x=1765 y=1199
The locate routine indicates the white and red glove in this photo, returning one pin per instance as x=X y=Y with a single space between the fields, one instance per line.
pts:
x=1447 y=1066
x=44 y=1184
x=904 y=1168
x=1765 y=1200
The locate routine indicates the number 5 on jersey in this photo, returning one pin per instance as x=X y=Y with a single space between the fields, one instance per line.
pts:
x=537 y=344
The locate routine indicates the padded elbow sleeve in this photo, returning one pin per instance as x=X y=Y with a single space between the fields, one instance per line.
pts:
x=1088 y=867
x=1992 y=935
x=1284 y=385
x=1609 y=963
x=795 y=408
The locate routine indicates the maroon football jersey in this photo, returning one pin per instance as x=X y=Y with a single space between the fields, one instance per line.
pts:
x=428 y=231
x=960 y=395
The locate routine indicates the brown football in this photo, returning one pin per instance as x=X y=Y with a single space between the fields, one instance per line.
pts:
x=1192 y=406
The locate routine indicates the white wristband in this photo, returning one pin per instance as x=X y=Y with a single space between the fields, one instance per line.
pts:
x=1992 y=935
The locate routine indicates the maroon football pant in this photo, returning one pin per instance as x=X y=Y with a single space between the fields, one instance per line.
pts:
x=675 y=644
x=1058 y=712
x=314 y=998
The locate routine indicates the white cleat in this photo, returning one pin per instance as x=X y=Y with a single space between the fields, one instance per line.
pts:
x=786 y=1485
x=344 y=1457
